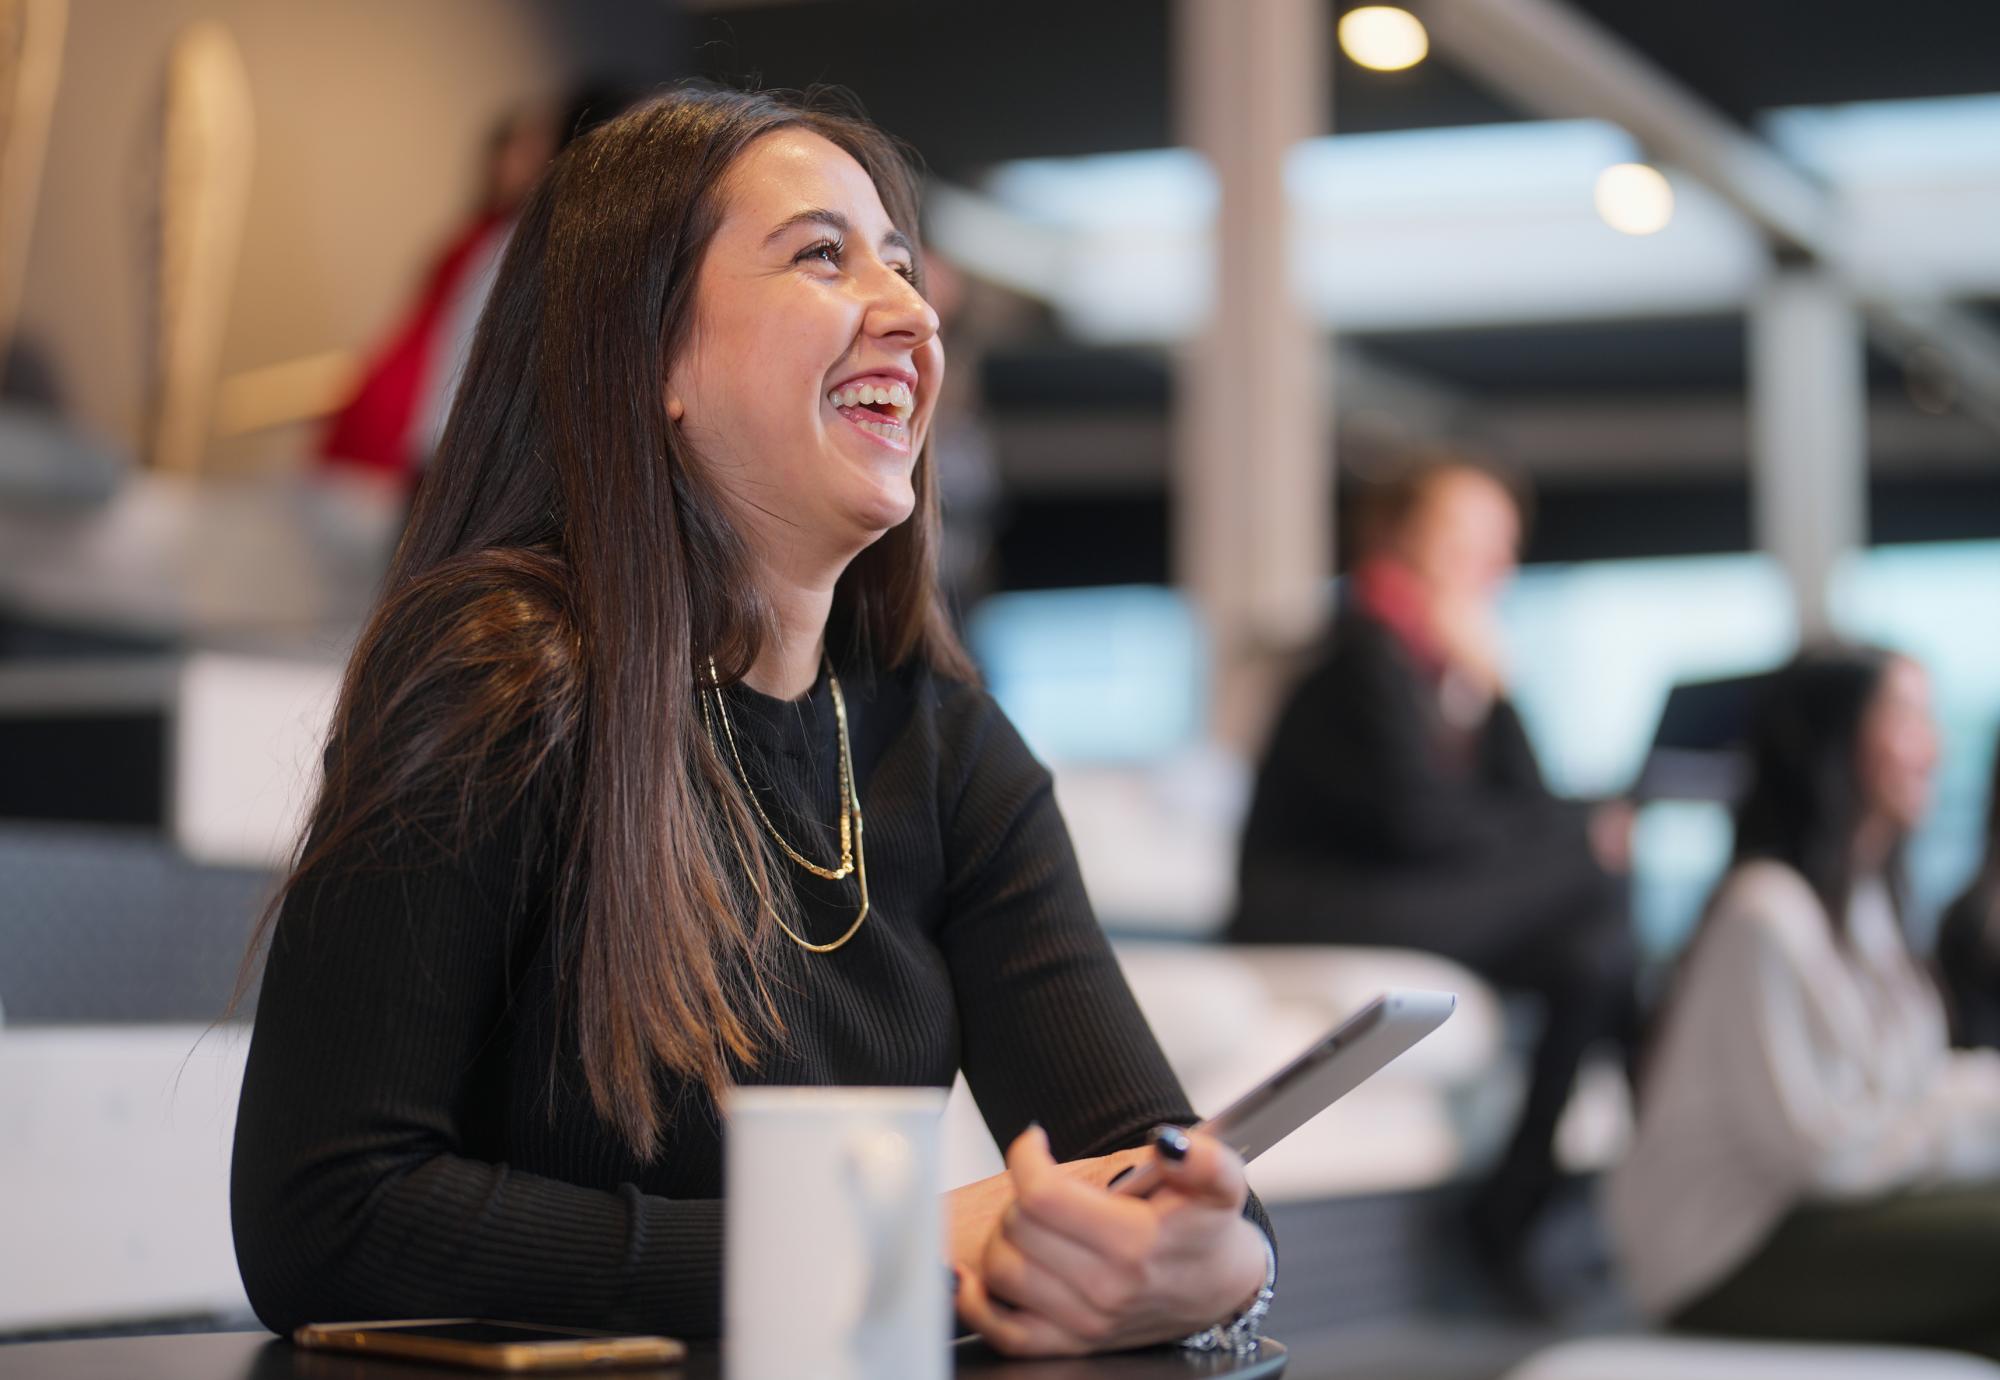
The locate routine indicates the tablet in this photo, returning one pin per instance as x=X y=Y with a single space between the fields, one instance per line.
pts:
x=1329 y=1069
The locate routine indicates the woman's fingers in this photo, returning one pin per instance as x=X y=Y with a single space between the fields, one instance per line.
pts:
x=1207 y=1172
x=1118 y=1228
x=1032 y=1285
x=1090 y=1269
x=1011 y=1331
x=1110 y=1287
x=1083 y=1269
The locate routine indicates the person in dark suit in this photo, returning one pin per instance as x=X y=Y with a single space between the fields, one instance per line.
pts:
x=1399 y=803
x=1968 y=944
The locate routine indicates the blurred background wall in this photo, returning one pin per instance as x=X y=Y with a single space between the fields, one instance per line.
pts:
x=368 y=120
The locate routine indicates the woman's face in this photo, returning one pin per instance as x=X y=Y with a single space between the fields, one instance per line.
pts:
x=813 y=365
x=1899 y=746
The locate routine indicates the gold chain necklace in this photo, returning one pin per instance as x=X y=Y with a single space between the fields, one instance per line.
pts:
x=832 y=874
x=850 y=809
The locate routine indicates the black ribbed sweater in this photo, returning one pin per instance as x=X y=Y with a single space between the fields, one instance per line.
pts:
x=407 y=1145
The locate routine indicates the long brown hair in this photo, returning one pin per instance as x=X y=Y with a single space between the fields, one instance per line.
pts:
x=568 y=566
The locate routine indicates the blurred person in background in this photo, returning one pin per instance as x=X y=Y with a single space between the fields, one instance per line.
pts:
x=1812 y=1160
x=1399 y=803
x=558 y=893
x=1968 y=946
x=396 y=414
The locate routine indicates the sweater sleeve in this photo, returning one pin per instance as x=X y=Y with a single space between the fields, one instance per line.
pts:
x=1049 y=1030
x=352 y=1194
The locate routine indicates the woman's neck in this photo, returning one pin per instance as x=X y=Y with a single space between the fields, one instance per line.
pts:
x=789 y=663
x=1874 y=844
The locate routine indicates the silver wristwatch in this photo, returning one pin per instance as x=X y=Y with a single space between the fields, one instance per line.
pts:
x=1239 y=1336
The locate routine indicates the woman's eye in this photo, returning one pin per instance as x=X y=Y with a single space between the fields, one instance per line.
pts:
x=827 y=251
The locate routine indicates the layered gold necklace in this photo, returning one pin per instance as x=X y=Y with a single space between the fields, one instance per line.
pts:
x=853 y=855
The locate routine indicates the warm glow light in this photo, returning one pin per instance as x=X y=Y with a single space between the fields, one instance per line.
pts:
x=1383 y=37
x=1634 y=198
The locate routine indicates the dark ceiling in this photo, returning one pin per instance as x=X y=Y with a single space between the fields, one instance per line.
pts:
x=974 y=84
x=968 y=85
x=1751 y=55
x=1577 y=359
x=1688 y=354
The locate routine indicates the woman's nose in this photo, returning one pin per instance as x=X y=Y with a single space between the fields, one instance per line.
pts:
x=899 y=309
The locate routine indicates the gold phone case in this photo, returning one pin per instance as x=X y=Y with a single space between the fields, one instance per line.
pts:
x=392 y=1338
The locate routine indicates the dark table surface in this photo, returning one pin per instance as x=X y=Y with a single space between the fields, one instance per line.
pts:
x=260 y=1356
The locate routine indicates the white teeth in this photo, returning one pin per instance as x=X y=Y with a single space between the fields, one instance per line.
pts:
x=895 y=395
x=866 y=394
x=889 y=431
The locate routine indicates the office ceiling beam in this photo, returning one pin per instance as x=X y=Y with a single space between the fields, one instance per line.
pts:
x=1556 y=62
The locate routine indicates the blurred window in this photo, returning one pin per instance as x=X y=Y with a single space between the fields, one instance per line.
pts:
x=1595 y=649
x=1114 y=674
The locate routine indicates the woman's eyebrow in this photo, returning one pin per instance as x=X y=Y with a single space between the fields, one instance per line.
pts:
x=840 y=225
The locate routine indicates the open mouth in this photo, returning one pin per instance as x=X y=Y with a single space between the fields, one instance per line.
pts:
x=882 y=408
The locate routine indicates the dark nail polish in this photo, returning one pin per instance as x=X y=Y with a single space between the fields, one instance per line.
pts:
x=1172 y=1142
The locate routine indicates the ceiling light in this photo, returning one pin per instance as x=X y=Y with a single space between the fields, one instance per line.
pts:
x=1383 y=37
x=1634 y=198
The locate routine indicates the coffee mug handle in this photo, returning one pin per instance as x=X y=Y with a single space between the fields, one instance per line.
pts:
x=882 y=1170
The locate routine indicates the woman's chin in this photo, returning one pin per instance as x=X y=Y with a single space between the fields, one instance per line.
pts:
x=884 y=509
x=873 y=490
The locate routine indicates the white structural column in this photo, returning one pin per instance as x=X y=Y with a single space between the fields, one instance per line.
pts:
x=1253 y=452
x=1808 y=431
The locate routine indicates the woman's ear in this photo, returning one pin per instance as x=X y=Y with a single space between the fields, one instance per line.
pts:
x=673 y=391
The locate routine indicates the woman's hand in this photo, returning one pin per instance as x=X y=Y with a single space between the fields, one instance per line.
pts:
x=1069 y=1268
x=974 y=1211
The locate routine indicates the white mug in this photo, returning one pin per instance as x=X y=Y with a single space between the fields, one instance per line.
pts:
x=834 y=1252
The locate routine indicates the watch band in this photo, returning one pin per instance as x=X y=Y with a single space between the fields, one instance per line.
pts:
x=1240 y=1335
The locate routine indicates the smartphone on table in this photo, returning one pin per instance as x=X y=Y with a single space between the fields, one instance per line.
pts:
x=479 y=1344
